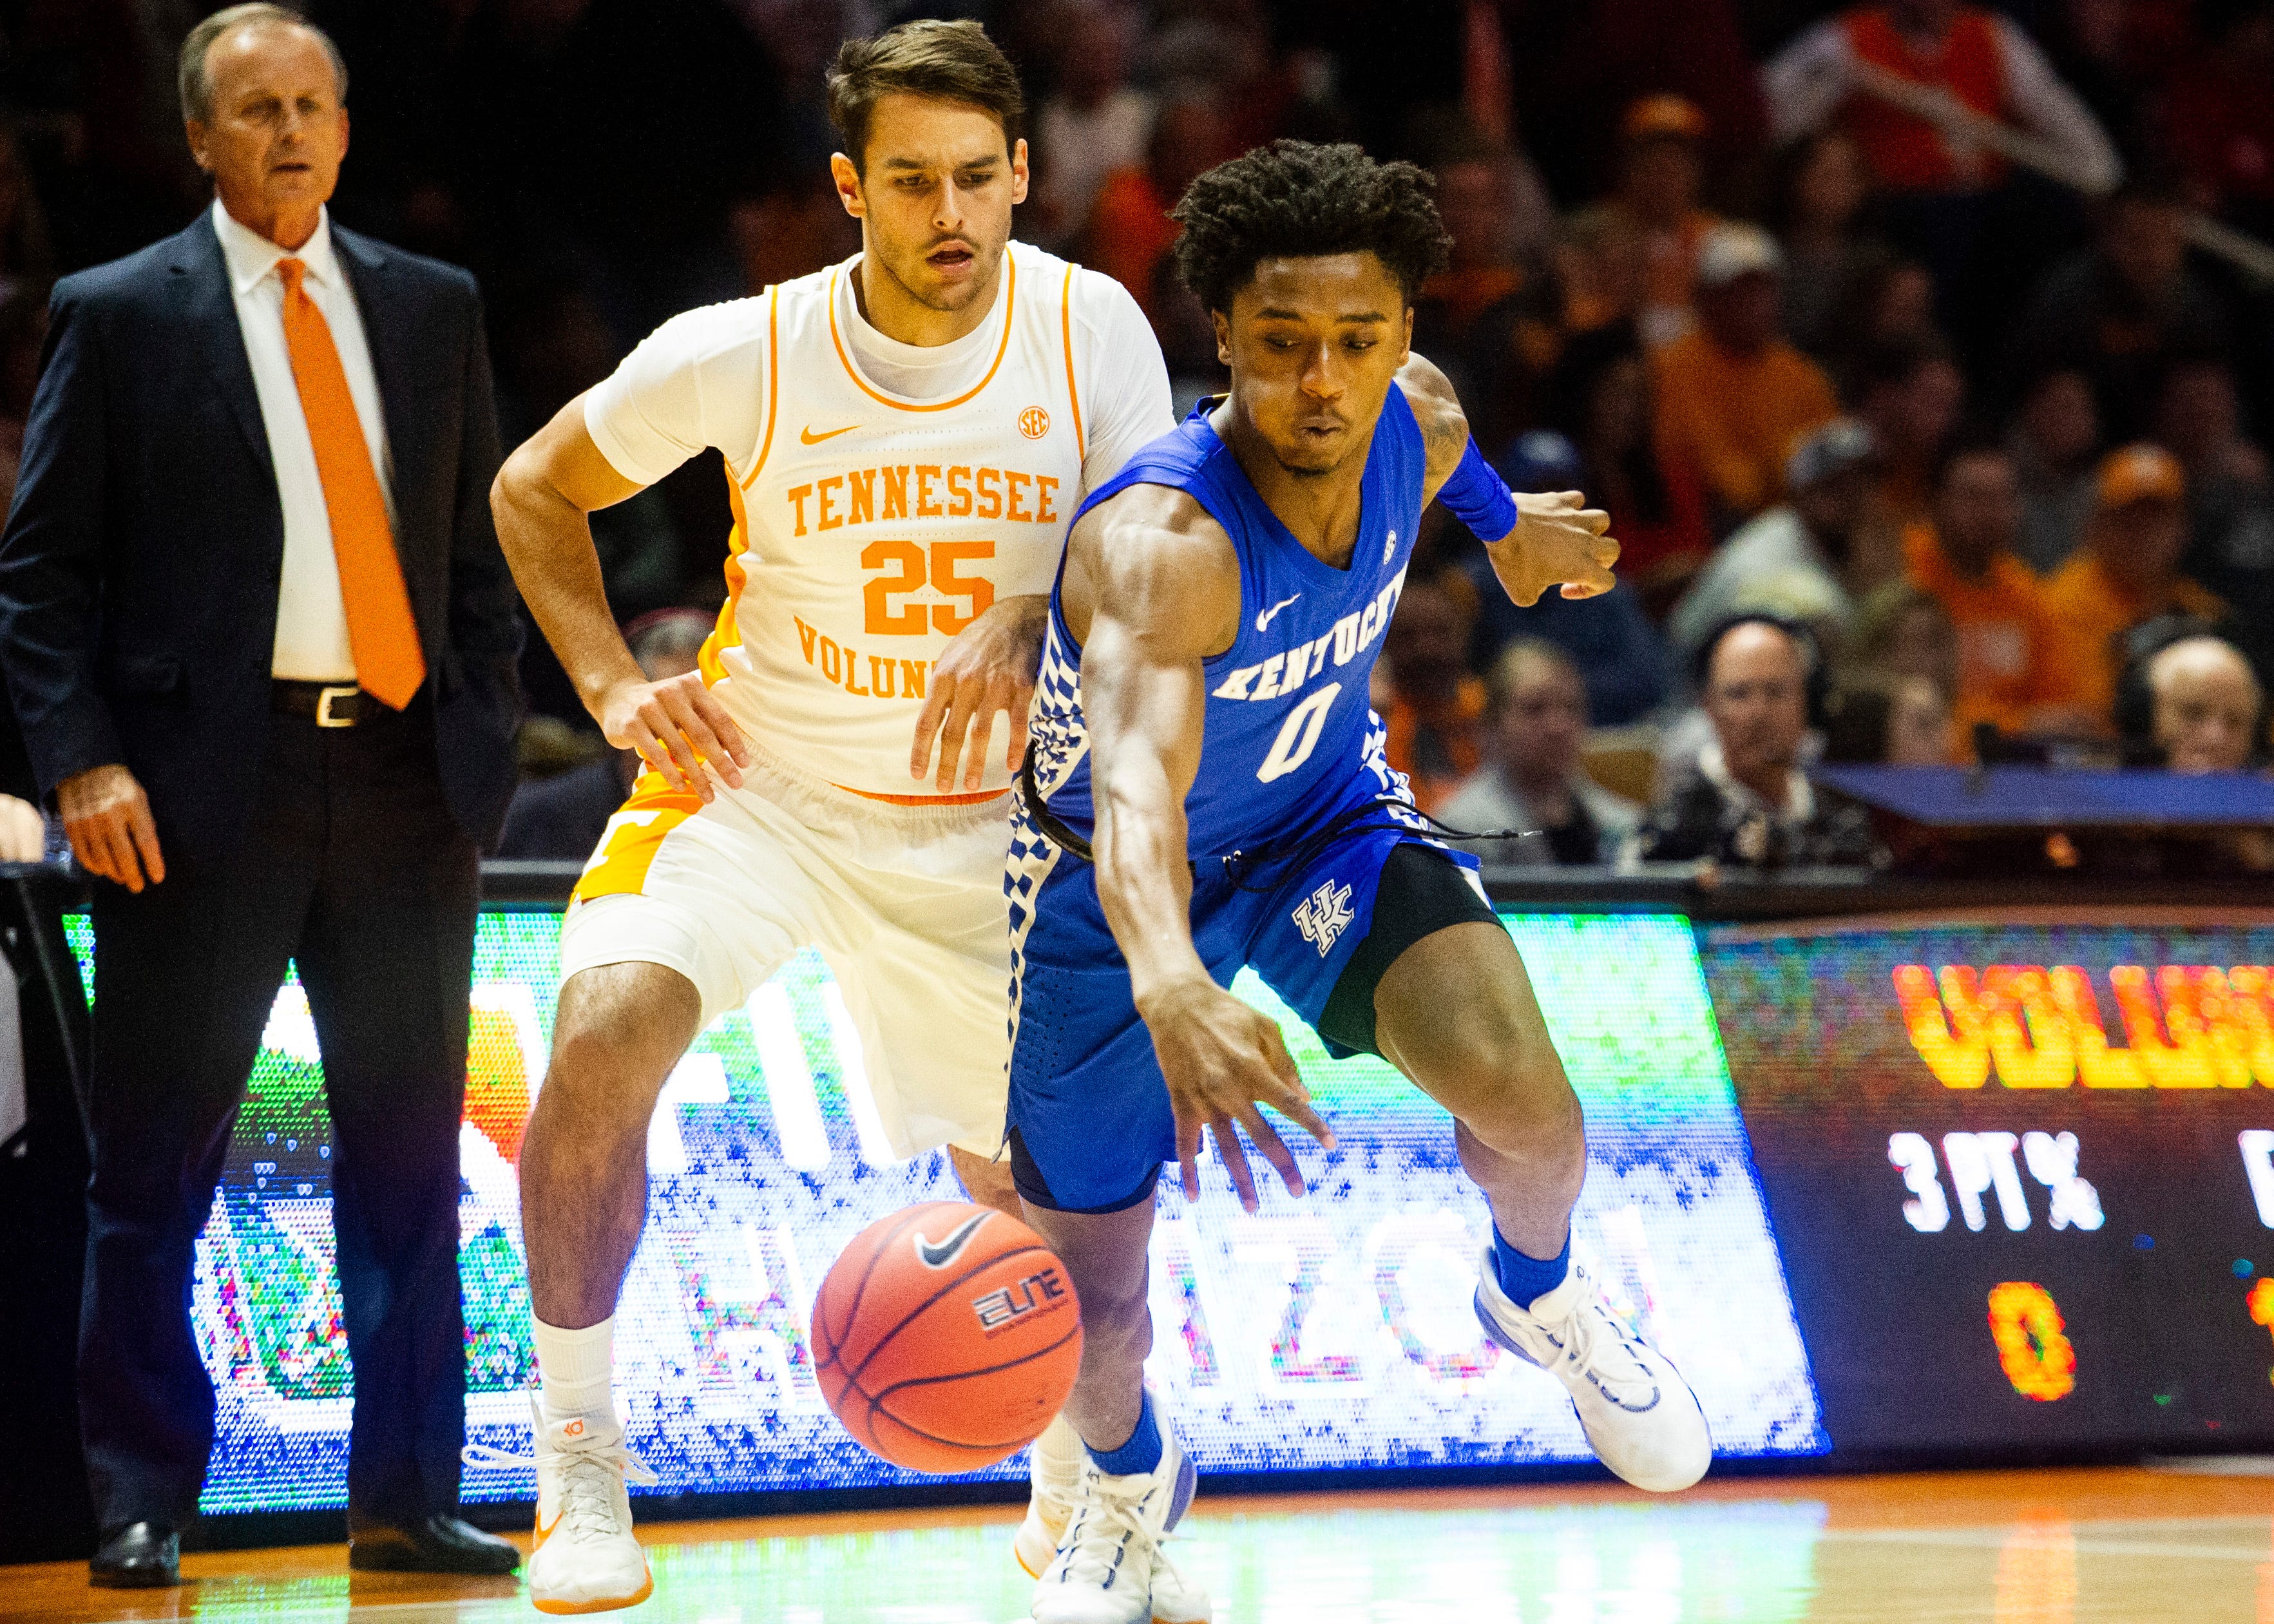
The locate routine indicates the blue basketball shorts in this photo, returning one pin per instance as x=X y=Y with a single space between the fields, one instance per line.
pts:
x=1090 y=1123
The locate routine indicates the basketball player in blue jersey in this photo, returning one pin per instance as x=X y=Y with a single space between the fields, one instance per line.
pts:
x=1206 y=788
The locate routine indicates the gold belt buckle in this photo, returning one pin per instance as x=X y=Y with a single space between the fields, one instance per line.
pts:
x=324 y=717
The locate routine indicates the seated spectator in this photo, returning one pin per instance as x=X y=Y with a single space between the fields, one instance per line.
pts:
x=2121 y=310
x=1829 y=479
x=1601 y=398
x=1094 y=123
x=1660 y=178
x=1537 y=711
x=1733 y=395
x=1608 y=637
x=1978 y=58
x=1911 y=394
x=1436 y=709
x=2230 y=497
x=1826 y=259
x=1890 y=308
x=1901 y=631
x=2205 y=709
x=1876 y=718
x=1905 y=78
x=1485 y=319
x=796 y=227
x=2126 y=573
x=1746 y=802
x=2055 y=440
x=1603 y=268
x=563 y=817
x=1129 y=233
x=1964 y=558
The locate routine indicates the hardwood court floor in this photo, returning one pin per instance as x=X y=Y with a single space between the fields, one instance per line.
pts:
x=2118 y=1545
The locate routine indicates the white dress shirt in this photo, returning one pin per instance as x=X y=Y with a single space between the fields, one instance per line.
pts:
x=312 y=621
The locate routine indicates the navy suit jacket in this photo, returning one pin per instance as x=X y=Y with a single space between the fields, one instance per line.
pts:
x=141 y=562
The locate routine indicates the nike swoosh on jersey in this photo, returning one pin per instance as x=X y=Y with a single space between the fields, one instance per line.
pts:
x=1264 y=620
x=939 y=1255
x=812 y=438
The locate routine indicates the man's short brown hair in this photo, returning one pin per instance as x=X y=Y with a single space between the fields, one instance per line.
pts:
x=944 y=61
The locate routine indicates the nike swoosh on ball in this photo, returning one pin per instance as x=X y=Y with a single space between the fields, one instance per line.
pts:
x=939 y=1255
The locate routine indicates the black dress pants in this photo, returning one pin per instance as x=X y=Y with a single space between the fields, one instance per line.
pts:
x=353 y=866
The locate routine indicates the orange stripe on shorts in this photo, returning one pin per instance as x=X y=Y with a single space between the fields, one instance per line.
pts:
x=634 y=836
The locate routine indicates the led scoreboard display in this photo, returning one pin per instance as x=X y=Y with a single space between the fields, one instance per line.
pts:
x=1333 y=1332
x=2021 y=1174
x=1885 y=1186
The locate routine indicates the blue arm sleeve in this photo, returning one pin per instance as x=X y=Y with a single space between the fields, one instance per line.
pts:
x=1478 y=497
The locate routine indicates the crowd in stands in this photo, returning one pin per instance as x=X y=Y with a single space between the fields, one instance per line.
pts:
x=1906 y=343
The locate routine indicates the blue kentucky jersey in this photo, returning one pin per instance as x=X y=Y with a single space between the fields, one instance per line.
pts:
x=1290 y=738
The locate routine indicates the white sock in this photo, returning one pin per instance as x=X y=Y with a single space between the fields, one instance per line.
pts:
x=572 y=1370
x=1054 y=1464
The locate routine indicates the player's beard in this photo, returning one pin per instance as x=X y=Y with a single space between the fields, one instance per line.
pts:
x=952 y=298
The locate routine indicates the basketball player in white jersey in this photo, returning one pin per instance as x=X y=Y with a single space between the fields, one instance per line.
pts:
x=905 y=436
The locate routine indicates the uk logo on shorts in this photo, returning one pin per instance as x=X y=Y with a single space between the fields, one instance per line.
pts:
x=1323 y=915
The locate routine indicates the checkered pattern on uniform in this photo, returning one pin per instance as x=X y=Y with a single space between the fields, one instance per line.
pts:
x=1059 y=739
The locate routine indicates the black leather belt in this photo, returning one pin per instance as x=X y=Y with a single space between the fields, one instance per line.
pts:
x=332 y=705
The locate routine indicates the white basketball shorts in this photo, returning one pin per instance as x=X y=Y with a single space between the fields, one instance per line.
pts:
x=905 y=903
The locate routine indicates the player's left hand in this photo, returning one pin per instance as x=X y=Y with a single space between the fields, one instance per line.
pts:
x=1221 y=1059
x=989 y=666
x=1558 y=541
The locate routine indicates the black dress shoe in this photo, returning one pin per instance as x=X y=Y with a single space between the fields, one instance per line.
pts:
x=437 y=1544
x=141 y=1556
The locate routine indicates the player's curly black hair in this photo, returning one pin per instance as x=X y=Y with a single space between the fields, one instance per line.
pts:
x=1296 y=199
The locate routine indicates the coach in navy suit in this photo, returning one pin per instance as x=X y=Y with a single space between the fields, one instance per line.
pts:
x=262 y=641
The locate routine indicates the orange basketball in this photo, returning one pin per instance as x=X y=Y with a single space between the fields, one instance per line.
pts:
x=946 y=1336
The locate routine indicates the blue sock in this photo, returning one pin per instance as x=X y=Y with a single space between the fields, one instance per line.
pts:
x=1143 y=1451
x=1527 y=1278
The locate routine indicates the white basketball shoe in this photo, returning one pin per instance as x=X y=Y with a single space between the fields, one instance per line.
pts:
x=585 y=1558
x=1639 y=1415
x=1036 y=1542
x=1110 y=1567
x=1054 y=1470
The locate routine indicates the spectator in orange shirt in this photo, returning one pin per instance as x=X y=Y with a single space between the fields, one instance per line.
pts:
x=1130 y=232
x=1660 y=176
x=1964 y=558
x=1602 y=265
x=1733 y=396
x=2127 y=573
x=1911 y=394
x=1975 y=57
x=1436 y=716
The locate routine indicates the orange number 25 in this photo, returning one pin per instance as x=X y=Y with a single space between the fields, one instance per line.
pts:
x=903 y=563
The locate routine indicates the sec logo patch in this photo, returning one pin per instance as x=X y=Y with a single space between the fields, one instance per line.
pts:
x=1034 y=423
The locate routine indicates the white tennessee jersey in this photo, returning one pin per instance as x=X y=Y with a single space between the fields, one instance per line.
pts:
x=870 y=527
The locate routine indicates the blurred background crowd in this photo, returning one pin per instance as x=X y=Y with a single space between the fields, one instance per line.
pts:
x=1920 y=353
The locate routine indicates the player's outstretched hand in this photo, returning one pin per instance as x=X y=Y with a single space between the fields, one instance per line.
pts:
x=1223 y=1058
x=1558 y=541
x=989 y=666
x=676 y=726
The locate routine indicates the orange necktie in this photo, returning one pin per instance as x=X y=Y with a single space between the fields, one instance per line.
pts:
x=380 y=629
